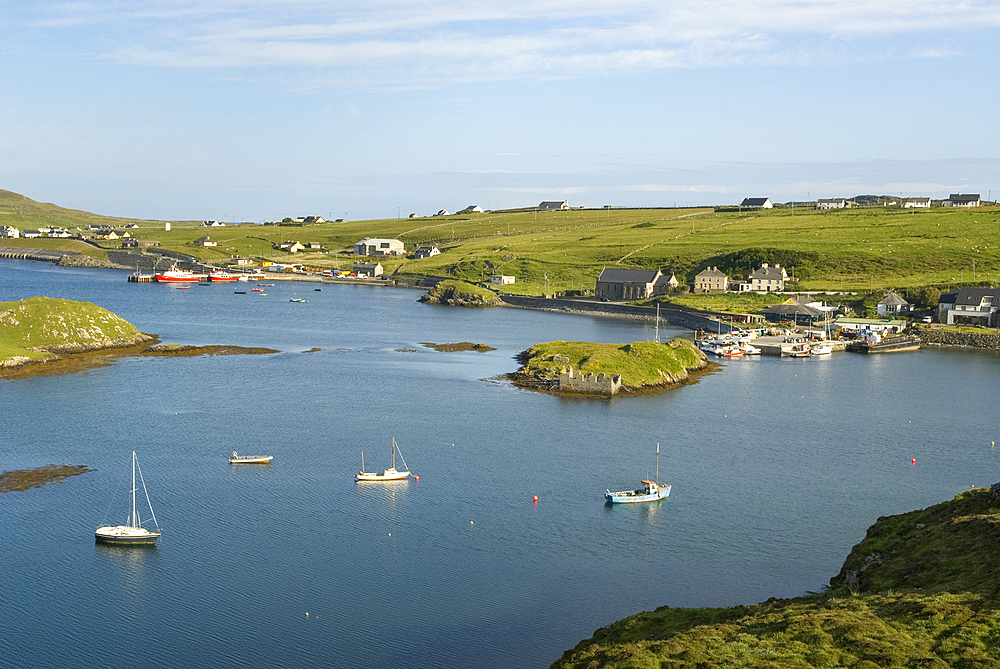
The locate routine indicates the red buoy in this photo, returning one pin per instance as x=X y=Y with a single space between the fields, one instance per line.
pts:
x=535 y=500
x=913 y=461
x=416 y=478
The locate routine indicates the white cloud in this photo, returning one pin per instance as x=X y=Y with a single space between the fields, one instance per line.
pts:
x=462 y=40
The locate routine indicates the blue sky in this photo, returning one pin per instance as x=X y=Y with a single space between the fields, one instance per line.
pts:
x=260 y=109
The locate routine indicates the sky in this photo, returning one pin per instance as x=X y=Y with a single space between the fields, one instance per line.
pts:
x=252 y=110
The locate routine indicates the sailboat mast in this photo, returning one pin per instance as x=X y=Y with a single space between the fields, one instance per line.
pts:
x=132 y=519
x=394 y=452
x=656 y=479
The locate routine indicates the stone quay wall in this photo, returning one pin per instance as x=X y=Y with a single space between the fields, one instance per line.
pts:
x=938 y=337
x=668 y=315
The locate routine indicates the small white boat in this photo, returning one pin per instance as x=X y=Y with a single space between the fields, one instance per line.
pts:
x=298 y=299
x=821 y=349
x=389 y=474
x=132 y=532
x=650 y=491
x=238 y=459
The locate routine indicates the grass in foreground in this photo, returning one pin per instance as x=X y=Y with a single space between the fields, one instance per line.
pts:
x=921 y=590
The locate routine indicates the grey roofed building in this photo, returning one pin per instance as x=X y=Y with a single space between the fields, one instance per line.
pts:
x=759 y=202
x=892 y=304
x=626 y=284
x=970 y=306
x=790 y=310
x=768 y=278
x=711 y=279
x=553 y=206
x=963 y=200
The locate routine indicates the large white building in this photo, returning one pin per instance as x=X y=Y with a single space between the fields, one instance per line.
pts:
x=373 y=246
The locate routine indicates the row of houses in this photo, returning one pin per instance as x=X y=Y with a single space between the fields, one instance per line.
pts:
x=954 y=200
x=636 y=284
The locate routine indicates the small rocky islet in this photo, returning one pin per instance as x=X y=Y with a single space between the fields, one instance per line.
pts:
x=607 y=369
x=43 y=336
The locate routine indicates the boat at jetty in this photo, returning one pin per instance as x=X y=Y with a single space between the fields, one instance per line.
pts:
x=222 y=275
x=174 y=275
x=650 y=491
x=873 y=342
x=132 y=532
x=389 y=474
x=238 y=459
x=800 y=350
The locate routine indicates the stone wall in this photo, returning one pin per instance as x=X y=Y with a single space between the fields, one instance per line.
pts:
x=939 y=337
x=668 y=315
x=600 y=384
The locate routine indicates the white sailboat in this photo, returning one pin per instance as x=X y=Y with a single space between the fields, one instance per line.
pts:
x=389 y=474
x=132 y=532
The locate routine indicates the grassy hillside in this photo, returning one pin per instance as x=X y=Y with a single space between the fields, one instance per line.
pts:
x=641 y=364
x=34 y=327
x=921 y=590
x=851 y=249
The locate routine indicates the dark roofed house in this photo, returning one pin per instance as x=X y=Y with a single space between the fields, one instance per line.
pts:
x=962 y=200
x=757 y=203
x=970 y=306
x=792 y=310
x=553 y=206
x=626 y=284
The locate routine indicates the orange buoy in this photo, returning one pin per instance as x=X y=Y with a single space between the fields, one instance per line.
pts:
x=416 y=478
x=913 y=461
x=535 y=499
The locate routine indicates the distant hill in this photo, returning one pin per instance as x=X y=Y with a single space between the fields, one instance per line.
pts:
x=22 y=212
x=921 y=590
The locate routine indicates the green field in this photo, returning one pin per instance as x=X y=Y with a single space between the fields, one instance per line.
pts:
x=839 y=250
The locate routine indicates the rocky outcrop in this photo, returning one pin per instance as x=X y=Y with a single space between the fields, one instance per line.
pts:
x=80 y=260
x=459 y=294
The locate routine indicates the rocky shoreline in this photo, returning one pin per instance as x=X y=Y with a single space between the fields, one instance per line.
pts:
x=939 y=337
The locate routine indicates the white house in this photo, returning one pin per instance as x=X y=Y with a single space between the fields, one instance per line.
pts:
x=891 y=305
x=917 y=203
x=9 y=232
x=373 y=246
x=757 y=203
x=31 y=234
x=205 y=241
x=834 y=203
x=970 y=306
x=768 y=279
x=426 y=252
x=501 y=279
x=553 y=206
x=212 y=224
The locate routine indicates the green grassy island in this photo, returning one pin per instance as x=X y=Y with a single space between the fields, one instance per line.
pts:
x=921 y=590
x=40 y=328
x=66 y=336
x=643 y=365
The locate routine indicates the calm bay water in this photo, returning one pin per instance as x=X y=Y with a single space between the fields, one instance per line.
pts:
x=778 y=468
